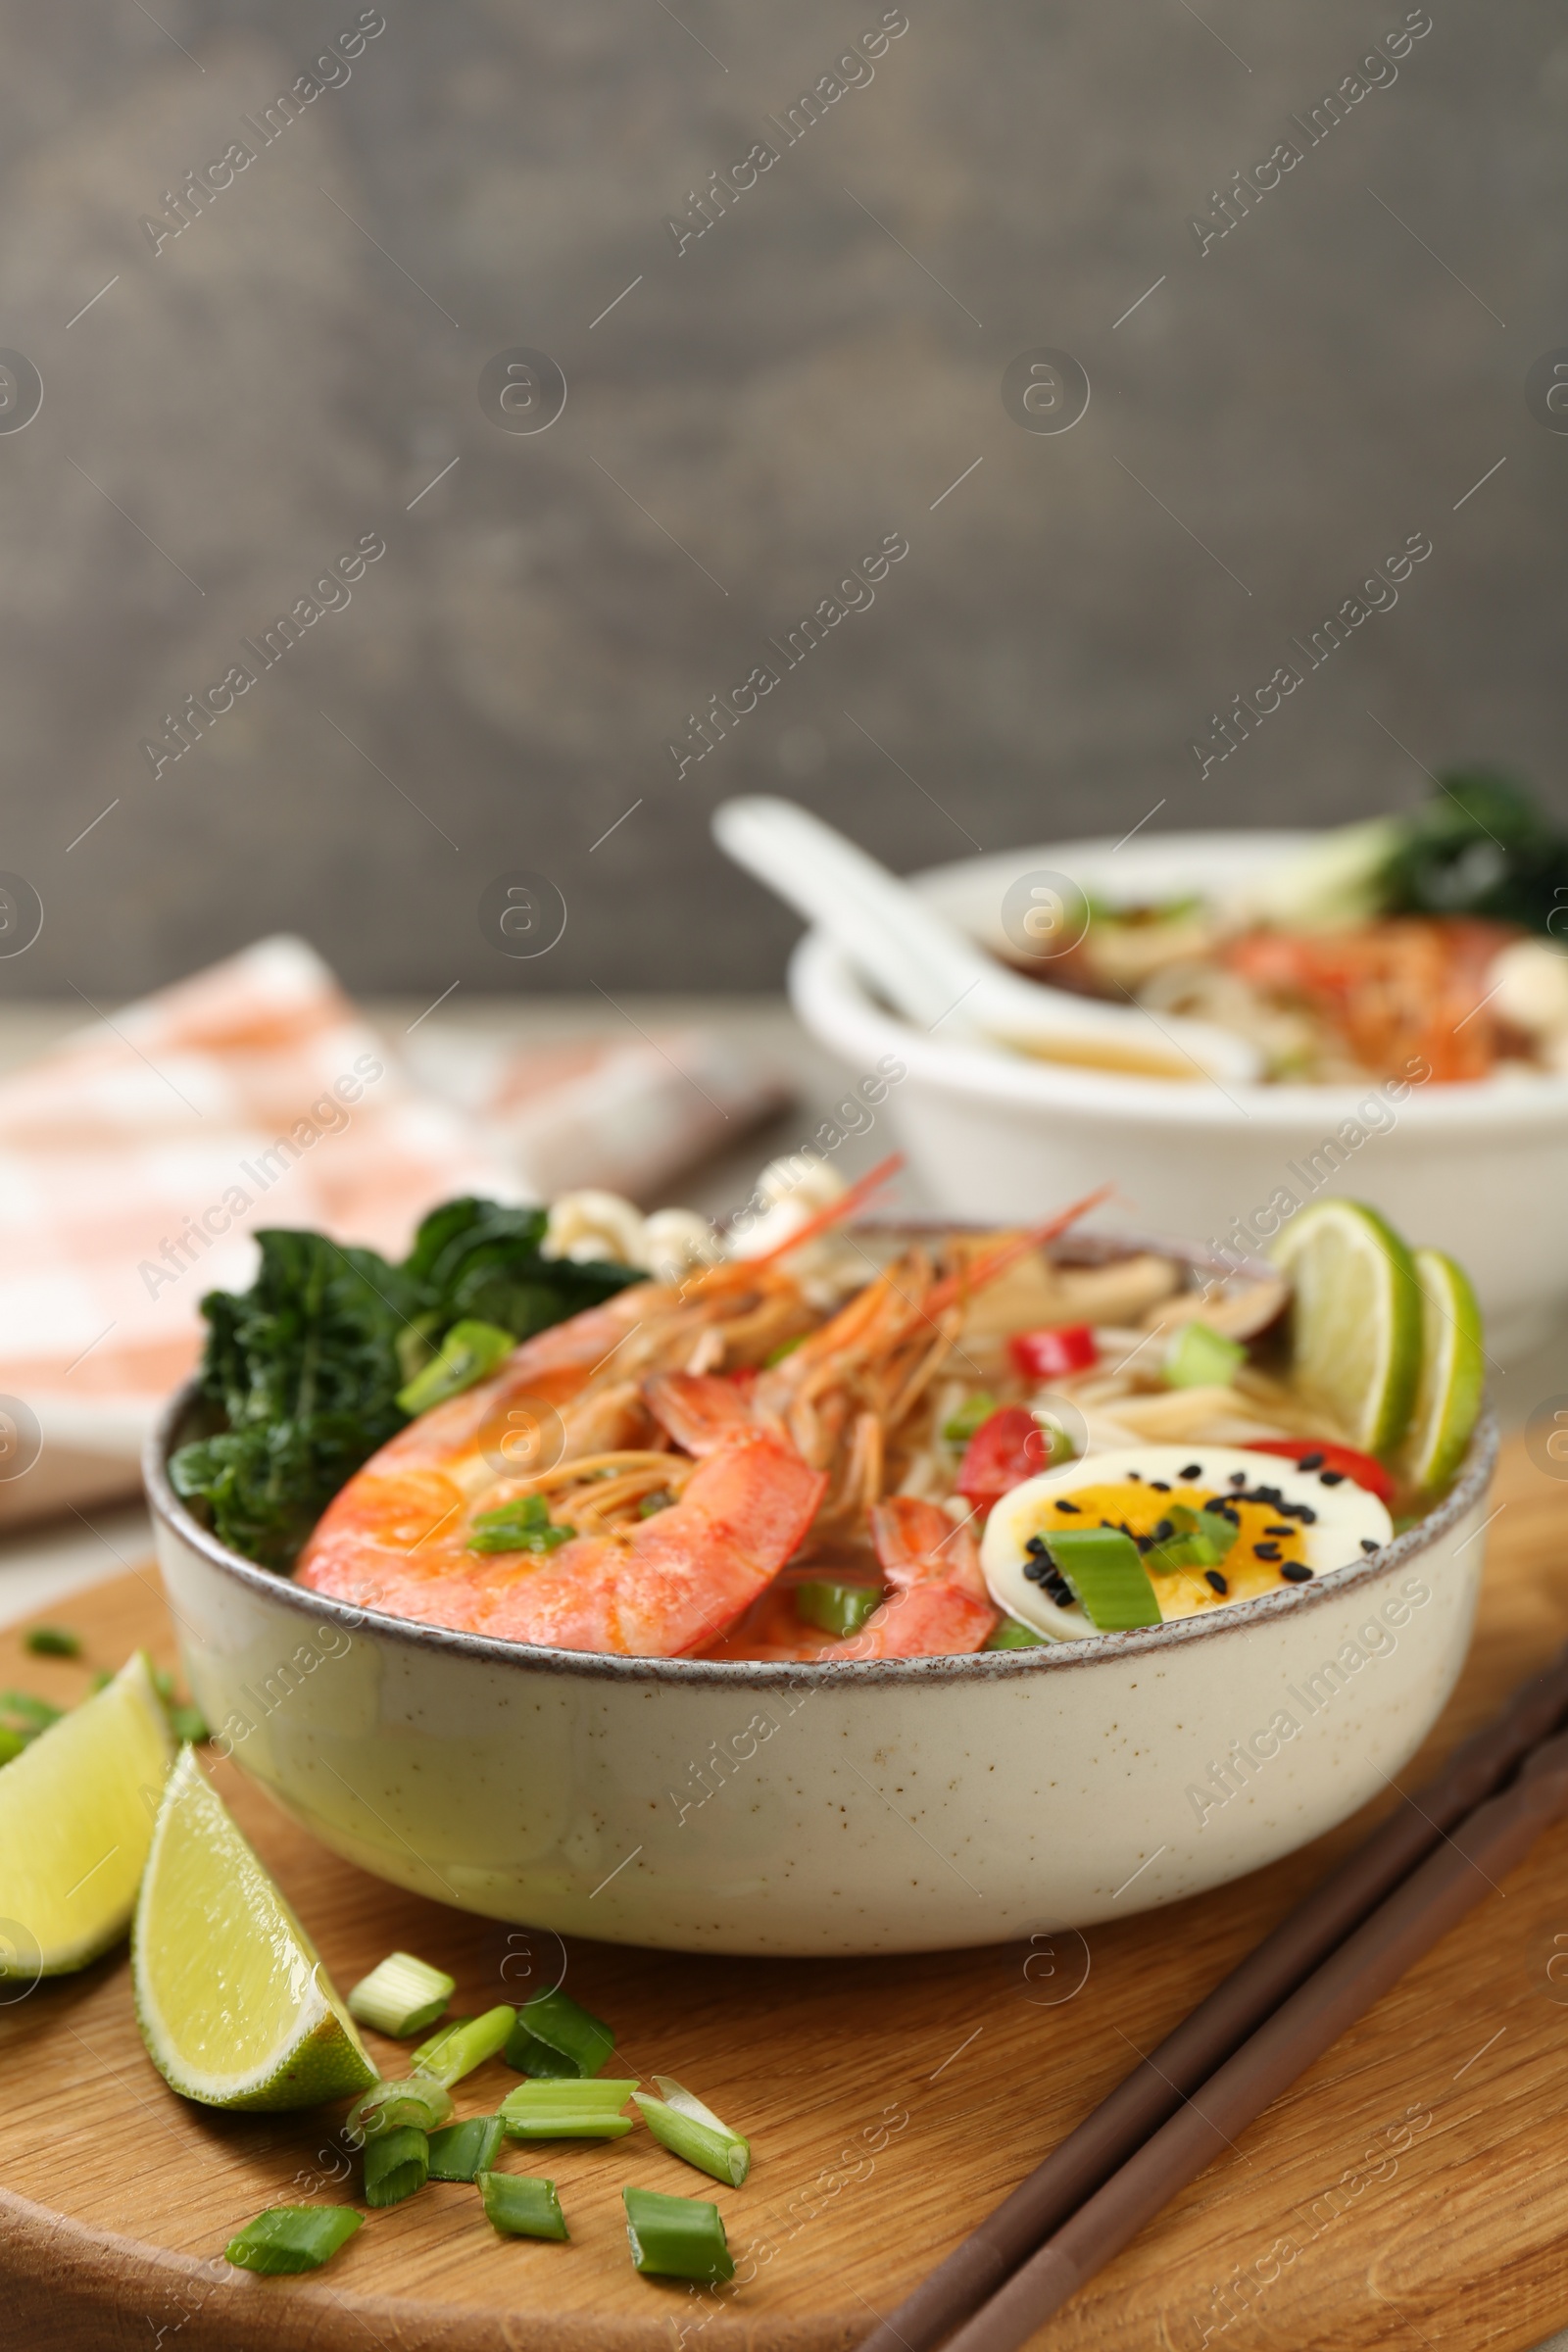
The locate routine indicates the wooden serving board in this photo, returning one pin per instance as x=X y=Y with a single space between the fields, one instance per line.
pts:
x=1412 y=2188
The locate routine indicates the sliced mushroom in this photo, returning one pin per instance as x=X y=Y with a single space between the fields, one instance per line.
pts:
x=1241 y=1311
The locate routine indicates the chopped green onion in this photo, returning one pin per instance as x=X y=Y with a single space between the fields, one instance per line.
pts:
x=401 y=1995
x=659 y=1501
x=676 y=2237
x=188 y=1723
x=837 y=1608
x=1201 y=1540
x=387 y=2106
x=1109 y=1578
x=1201 y=1358
x=522 y=1525
x=27 y=1716
x=556 y=2037
x=396 y=2163
x=463 y=2151
x=968 y=1417
x=469 y=1351
x=52 y=1642
x=463 y=2044
x=1014 y=1634
x=164 y=1684
x=575 y=2110
x=520 y=2207
x=776 y=1356
x=680 y=2123
x=292 y=2237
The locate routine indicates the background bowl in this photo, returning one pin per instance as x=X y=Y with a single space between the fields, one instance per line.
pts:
x=901 y=1806
x=1478 y=1170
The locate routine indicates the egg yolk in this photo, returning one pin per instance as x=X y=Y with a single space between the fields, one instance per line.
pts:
x=1269 y=1540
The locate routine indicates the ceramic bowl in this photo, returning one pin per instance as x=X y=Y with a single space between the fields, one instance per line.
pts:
x=883 y=1807
x=1473 y=1169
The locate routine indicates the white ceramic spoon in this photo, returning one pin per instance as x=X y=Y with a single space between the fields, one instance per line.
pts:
x=939 y=978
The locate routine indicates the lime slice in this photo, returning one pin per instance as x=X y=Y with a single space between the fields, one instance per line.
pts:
x=1448 y=1398
x=1355 y=1321
x=76 y=1811
x=235 y=2006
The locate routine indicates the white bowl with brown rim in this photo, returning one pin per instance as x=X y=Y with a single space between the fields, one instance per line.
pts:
x=848 y=1808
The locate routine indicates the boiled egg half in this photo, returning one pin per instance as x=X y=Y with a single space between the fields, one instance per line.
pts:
x=1204 y=1527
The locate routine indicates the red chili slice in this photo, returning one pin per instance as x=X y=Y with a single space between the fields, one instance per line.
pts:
x=1006 y=1449
x=1059 y=1348
x=1359 y=1468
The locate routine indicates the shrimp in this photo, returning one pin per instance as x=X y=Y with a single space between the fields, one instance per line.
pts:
x=630 y=1546
x=399 y=1537
x=937 y=1606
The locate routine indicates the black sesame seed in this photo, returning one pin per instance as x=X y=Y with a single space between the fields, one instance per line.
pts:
x=1237 y=1478
x=1331 y=1478
x=1212 y=1576
x=1062 y=1504
x=1193 y=1470
x=1265 y=1552
x=1297 y=1572
x=1038 y=1545
x=1164 y=1531
x=1307 y=1515
x=1143 y=1543
x=1310 y=1462
x=1161 y=1486
x=1266 y=1494
x=1279 y=1531
x=1062 y=1592
x=1367 y=1544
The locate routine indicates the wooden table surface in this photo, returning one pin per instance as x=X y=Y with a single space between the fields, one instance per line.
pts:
x=1412 y=2189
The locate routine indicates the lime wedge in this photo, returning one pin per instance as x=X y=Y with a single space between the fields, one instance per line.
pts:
x=235 y=2006
x=1355 y=1320
x=76 y=1811
x=1448 y=1396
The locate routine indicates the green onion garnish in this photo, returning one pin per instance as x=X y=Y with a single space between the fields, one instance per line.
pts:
x=463 y=2044
x=520 y=1526
x=292 y=2237
x=463 y=2151
x=658 y=1501
x=776 y=1356
x=52 y=1642
x=27 y=1716
x=401 y=1995
x=1201 y=1358
x=520 y=2207
x=837 y=1608
x=396 y=2163
x=387 y=2106
x=188 y=1723
x=968 y=1417
x=680 y=2123
x=1201 y=1540
x=469 y=1351
x=676 y=2237
x=1014 y=1634
x=575 y=2110
x=555 y=2036
x=1109 y=1578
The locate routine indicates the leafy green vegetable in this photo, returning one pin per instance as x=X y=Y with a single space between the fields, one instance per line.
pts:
x=302 y=1372
x=1480 y=846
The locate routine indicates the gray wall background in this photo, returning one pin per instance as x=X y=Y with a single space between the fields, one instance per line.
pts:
x=286 y=376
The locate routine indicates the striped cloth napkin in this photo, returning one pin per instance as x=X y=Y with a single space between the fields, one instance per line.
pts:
x=137 y=1156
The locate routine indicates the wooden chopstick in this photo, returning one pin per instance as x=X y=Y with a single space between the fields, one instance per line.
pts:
x=1217 y=2027
x=1420 y=1910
